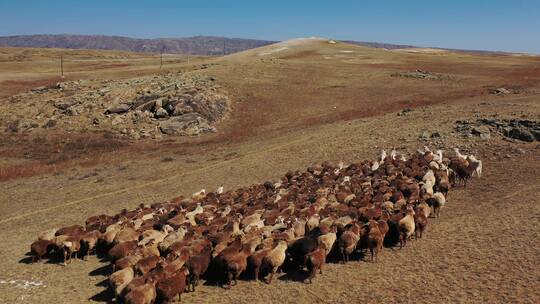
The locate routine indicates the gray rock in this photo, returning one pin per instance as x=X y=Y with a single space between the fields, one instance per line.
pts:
x=536 y=134
x=501 y=91
x=521 y=134
x=117 y=109
x=485 y=136
x=181 y=109
x=479 y=130
x=63 y=104
x=72 y=111
x=161 y=113
x=187 y=124
x=49 y=124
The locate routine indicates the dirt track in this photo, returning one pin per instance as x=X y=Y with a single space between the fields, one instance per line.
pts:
x=483 y=249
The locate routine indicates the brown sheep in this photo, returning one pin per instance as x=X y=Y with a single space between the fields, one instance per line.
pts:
x=122 y=250
x=420 y=222
x=144 y=294
x=170 y=287
x=146 y=264
x=235 y=264
x=89 y=241
x=197 y=266
x=40 y=248
x=375 y=239
x=128 y=261
x=256 y=259
x=315 y=260
x=348 y=241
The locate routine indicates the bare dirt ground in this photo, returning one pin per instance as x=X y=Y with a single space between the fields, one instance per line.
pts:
x=290 y=109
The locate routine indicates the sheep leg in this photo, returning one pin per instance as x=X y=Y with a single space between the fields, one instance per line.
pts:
x=272 y=275
x=236 y=279
x=256 y=274
x=372 y=250
x=229 y=279
x=193 y=283
x=65 y=257
x=312 y=274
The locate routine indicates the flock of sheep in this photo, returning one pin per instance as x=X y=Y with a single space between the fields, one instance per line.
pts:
x=329 y=212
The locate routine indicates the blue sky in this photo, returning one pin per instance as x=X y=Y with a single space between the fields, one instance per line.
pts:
x=468 y=24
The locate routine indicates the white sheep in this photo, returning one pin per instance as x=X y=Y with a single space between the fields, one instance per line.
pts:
x=383 y=155
x=478 y=170
x=393 y=154
x=375 y=166
x=429 y=177
x=199 y=195
x=459 y=154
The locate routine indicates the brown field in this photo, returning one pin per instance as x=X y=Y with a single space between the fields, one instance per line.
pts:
x=294 y=104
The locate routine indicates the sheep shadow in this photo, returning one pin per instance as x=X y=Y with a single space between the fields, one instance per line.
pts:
x=295 y=275
x=104 y=270
x=105 y=296
x=27 y=260
x=103 y=283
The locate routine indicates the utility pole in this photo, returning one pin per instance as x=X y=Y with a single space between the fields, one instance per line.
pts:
x=224 y=46
x=62 y=66
x=161 y=56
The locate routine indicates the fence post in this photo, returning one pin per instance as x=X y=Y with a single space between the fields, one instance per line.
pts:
x=62 y=66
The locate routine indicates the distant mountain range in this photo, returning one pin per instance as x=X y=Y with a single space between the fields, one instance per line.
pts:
x=197 y=45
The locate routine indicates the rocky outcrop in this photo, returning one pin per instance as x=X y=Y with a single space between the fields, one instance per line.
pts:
x=519 y=129
x=174 y=104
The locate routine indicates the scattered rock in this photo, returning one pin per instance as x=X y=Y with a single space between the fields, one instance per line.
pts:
x=161 y=113
x=436 y=135
x=524 y=130
x=404 y=111
x=63 y=104
x=49 y=124
x=500 y=91
x=119 y=108
x=419 y=74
